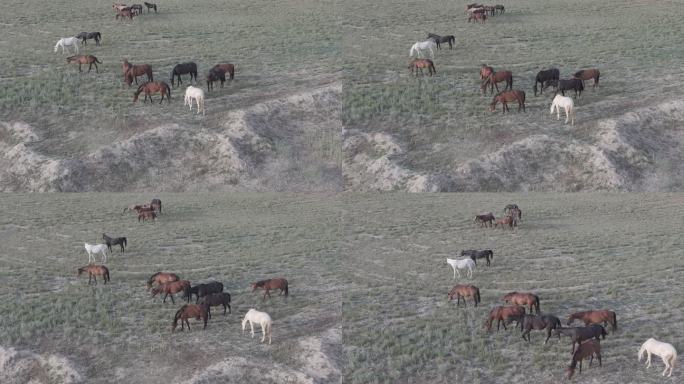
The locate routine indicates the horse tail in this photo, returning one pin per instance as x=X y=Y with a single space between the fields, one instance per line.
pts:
x=614 y=321
x=107 y=275
x=168 y=90
x=477 y=296
x=173 y=72
x=536 y=303
x=287 y=291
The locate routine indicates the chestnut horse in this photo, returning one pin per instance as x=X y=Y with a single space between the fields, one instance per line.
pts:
x=595 y=317
x=153 y=87
x=161 y=278
x=131 y=72
x=419 y=64
x=171 y=288
x=497 y=77
x=188 y=311
x=588 y=348
x=506 y=97
x=502 y=313
x=485 y=71
x=84 y=59
x=464 y=291
x=147 y=215
x=588 y=74
x=94 y=271
x=505 y=221
x=267 y=285
x=523 y=298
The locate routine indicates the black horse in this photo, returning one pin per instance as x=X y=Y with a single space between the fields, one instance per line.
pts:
x=544 y=76
x=579 y=334
x=183 y=69
x=215 y=75
x=156 y=205
x=201 y=290
x=216 y=299
x=115 y=241
x=576 y=85
x=537 y=323
x=90 y=35
x=150 y=6
x=476 y=254
x=442 y=39
x=137 y=7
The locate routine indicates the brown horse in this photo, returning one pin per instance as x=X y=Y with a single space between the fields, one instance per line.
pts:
x=464 y=291
x=94 y=271
x=171 y=288
x=84 y=59
x=153 y=87
x=523 y=298
x=604 y=317
x=484 y=219
x=502 y=313
x=226 y=68
x=477 y=16
x=267 y=285
x=588 y=348
x=588 y=74
x=188 y=311
x=497 y=77
x=161 y=278
x=131 y=72
x=506 y=97
x=419 y=64
x=146 y=215
x=485 y=71
x=124 y=13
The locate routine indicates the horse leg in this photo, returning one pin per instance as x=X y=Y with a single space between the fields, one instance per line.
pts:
x=174 y=302
x=164 y=301
x=648 y=359
x=79 y=68
x=251 y=327
x=548 y=335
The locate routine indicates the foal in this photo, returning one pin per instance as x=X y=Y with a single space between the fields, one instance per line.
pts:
x=586 y=349
x=419 y=64
x=94 y=271
x=84 y=59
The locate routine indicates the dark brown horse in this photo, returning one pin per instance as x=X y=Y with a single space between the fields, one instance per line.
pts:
x=506 y=97
x=153 y=87
x=131 y=72
x=497 y=77
x=150 y=6
x=479 y=254
x=588 y=74
x=147 y=215
x=170 y=288
x=188 y=311
x=579 y=334
x=216 y=299
x=213 y=76
x=226 y=68
x=502 y=313
x=161 y=278
x=418 y=64
x=464 y=291
x=523 y=298
x=156 y=205
x=94 y=271
x=604 y=317
x=267 y=285
x=586 y=349
x=485 y=71
x=484 y=219
x=184 y=69
x=84 y=59
x=528 y=323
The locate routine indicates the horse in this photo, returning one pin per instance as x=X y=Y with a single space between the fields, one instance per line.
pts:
x=131 y=72
x=150 y=6
x=505 y=221
x=262 y=318
x=476 y=254
x=188 y=311
x=523 y=298
x=457 y=264
x=267 y=285
x=138 y=208
x=490 y=9
x=153 y=87
x=419 y=64
x=485 y=218
x=90 y=35
x=146 y=215
x=513 y=210
x=201 y=290
x=567 y=104
x=604 y=317
x=485 y=71
x=67 y=42
x=161 y=278
x=94 y=271
x=464 y=291
x=216 y=299
x=665 y=350
x=508 y=96
x=442 y=39
x=215 y=75
x=170 y=288
x=121 y=241
x=197 y=94
x=587 y=74
x=226 y=68
x=567 y=85
x=502 y=313
x=500 y=8
x=420 y=47
x=537 y=323
x=95 y=249
x=584 y=350
x=579 y=334
x=124 y=13
x=497 y=77
x=478 y=16
x=84 y=59
x=183 y=69
x=136 y=8
x=545 y=75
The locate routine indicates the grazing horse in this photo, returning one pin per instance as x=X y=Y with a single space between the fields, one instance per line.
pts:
x=485 y=71
x=153 y=87
x=567 y=104
x=161 y=278
x=188 y=311
x=183 y=69
x=537 y=323
x=523 y=298
x=196 y=94
x=579 y=334
x=124 y=13
x=201 y=290
x=567 y=85
x=150 y=6
x=665 y=350
x=215 y=75
x=420 y=47
x=67 y=42
x=267 y=285
x=513 y=210
x=457 y=264
x=544 y=76
x=147 y=215
x=156 y=205
x=505 y=221
x=84 y=59
x=121 y=241
x=587 y=74
x=419 y=64
x=131 y=72
x=478 y=16
x=604 y=317
x=262 y=318
x=442 y=39
x=170 y=288
x=226 y=68
x=94 y=271
x=485 y=218
x=94 y=249
x=497 y=77
x=90 y=35
x=506 y=97
x=216 y=299
x=584 y=350
x=476 y=254
x=464 y=291
x=502 y=313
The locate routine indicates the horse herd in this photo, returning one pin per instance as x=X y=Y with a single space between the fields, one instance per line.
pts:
x=525 y=309
x=479 y=12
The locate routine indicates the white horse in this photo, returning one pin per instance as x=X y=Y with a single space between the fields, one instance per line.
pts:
x=197 y=94
x=666 y=352
x=423 y=46
x=67 y=42
x=457 y=264
x=565 y=103
x=258 y=317
x=95 y=249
